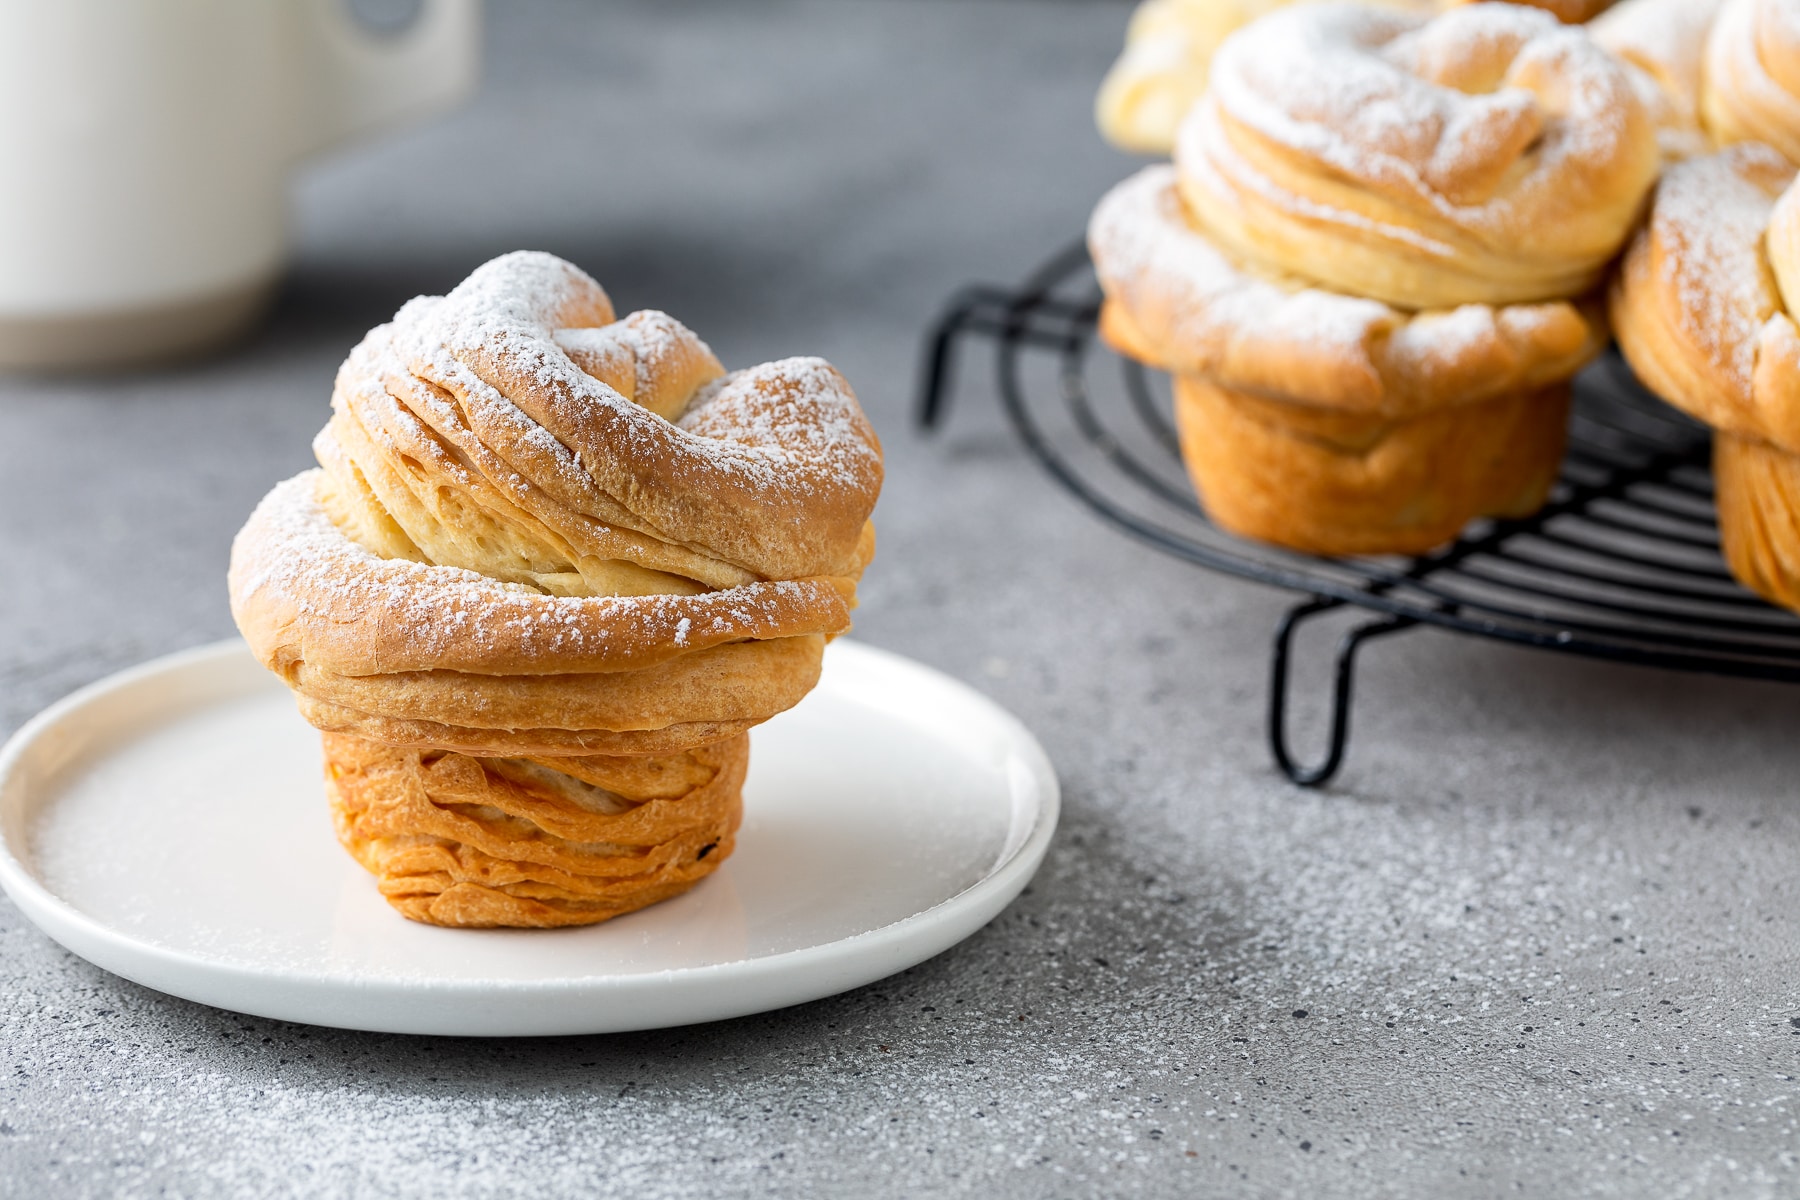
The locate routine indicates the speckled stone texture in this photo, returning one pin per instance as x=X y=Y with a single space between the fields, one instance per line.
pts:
x=1540 y=940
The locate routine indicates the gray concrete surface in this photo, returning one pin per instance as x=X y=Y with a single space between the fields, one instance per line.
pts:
x=1541 y=939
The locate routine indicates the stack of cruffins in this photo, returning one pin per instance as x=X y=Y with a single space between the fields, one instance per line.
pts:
x=1389 y=238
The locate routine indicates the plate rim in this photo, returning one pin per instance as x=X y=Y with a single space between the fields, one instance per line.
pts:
x=834 y=967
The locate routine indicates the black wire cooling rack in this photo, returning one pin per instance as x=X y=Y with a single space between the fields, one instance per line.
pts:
x=1623 y=563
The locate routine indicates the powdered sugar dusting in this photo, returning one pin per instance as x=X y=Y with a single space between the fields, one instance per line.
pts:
x=1353 y=88
x=793 y=422
x=1468 y=127
x=773 y=469
x=338 y=604
x=1752 y=75
x=1709 y=224
x=1140 y=227
x=1665 y=38
x=1200 y=313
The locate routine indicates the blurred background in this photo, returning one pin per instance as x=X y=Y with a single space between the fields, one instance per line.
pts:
x=785 y=178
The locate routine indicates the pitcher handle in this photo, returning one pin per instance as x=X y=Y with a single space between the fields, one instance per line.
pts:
x=357 y=81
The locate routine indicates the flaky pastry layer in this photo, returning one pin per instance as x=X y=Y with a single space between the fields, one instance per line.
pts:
x=517 y=407
x=1169 y=48
x=1342 y=483
x=1758 y=489
x=1489 y=155
x=459 y=840
x=1664 y=44
x=416 y=654
x=1698 y=301
x=1703 y=308
x=1751 y=89
x=1177 y=300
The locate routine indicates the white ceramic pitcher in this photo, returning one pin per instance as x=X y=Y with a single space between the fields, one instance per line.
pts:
x=145 y=150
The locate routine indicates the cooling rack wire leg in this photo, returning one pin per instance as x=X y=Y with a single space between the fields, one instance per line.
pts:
x=1343 y=688
x=935 y=379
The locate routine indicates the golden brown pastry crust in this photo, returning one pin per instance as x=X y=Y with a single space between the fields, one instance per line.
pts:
x=1700 y=313
x=1758 y=487
x=1572 y=12
x=1196 y=311
x=1329 y=423
x=473 y=409
x=1752 y=79
x=468 y=841
x=418 y=654
x=1664 y=42
x=1339 y=483
x=1169 y=47
x=542 y=533
x=1697 y=304
x=1488 y=156
x=304 y=591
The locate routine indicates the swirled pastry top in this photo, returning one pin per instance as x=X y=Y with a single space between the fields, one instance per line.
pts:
x=516 y=483
x=1664 y=41
x=1169 y=47
x=1162 y=70
x=518 y=408
x=1490 y=155
x=1704 y=302
x=303 y=591
x=1174 y=298
x=1752 y=80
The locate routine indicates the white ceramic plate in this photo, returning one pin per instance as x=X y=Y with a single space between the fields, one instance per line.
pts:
x=169 y=825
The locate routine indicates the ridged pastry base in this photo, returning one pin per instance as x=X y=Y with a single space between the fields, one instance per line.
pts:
x=1333 y=482
x=1758 y=487
x=458 y=840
